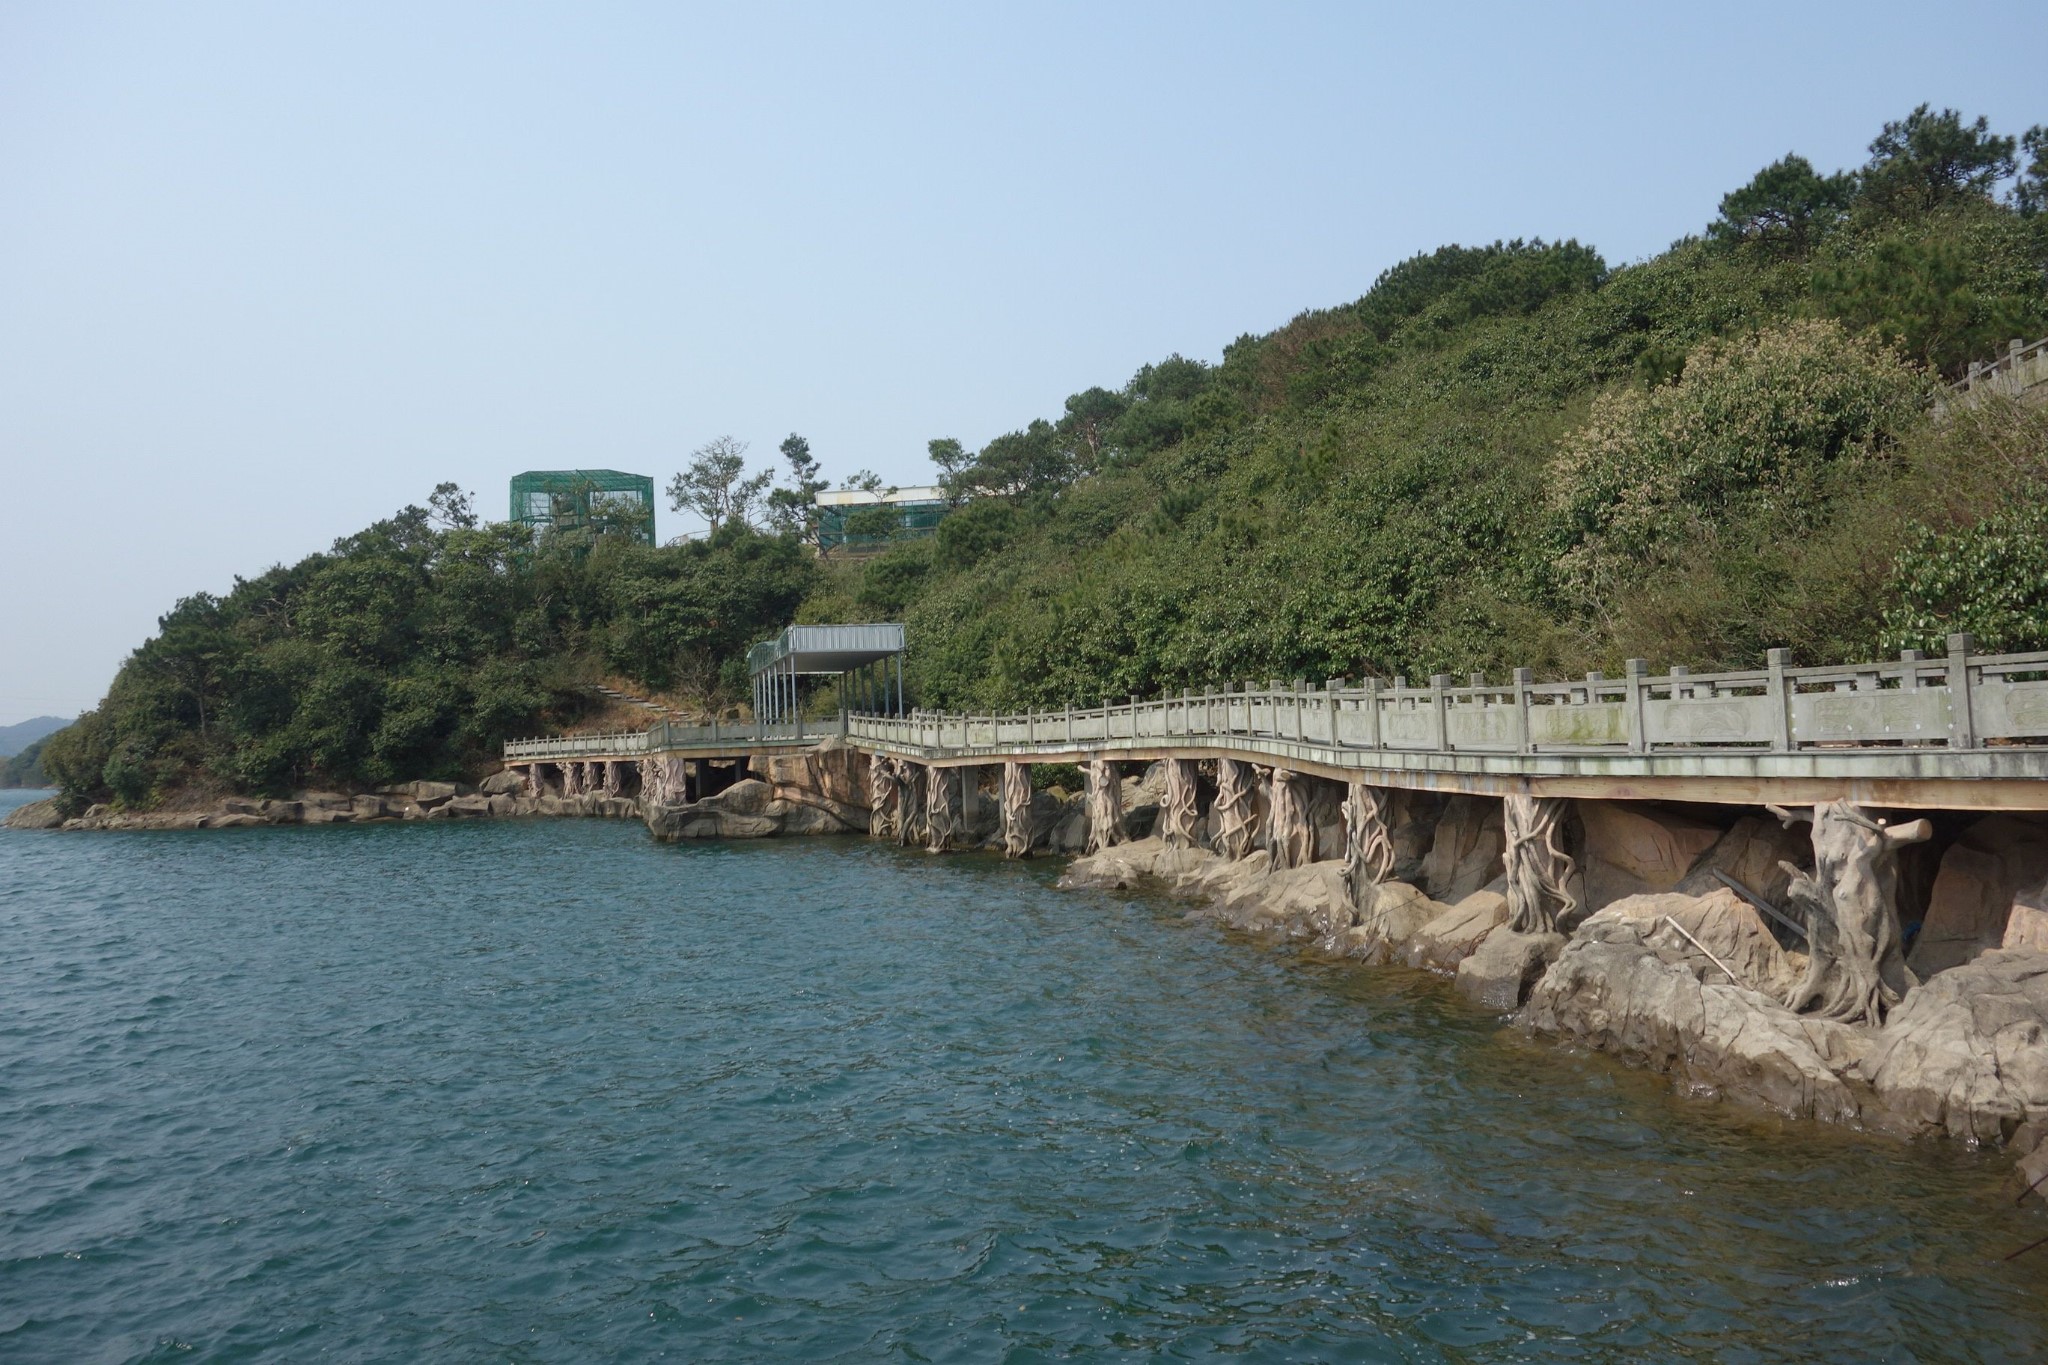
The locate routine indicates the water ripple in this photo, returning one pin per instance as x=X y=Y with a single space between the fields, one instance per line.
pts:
x=553 y=1092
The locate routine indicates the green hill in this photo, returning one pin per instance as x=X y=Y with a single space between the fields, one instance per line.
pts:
x=1502 y=455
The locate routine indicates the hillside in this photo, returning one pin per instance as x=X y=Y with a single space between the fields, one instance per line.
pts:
x=14 y=738
x=1503 y=455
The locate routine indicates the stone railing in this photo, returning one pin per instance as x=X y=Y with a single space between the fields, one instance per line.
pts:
x=1962 y=716
x=664 y=736
x=2022 y=373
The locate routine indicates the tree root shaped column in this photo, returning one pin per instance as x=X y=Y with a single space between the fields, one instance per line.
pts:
x=1016 y=810
x=1856 y=970
x=1290 y=837
x=1539 y=870
x=1180 y=815
x=941 y=809
x=1368 y=844
x=911 y=784
x=1105 y=800
x=881 y=796
x=1237 y=811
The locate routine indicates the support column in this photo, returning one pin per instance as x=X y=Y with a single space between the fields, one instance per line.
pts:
x=1856 y=971
x=882 y=803
x=1105 y=804
x=941 y=808
x=1236 y=809
x=1181 y=815
x=1368 y=843
x=1016 y=810
x=1539 y=871
x=911 y=785
x=1291 y=838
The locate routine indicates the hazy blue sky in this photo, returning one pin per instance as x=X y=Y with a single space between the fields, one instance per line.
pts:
x=270 y=271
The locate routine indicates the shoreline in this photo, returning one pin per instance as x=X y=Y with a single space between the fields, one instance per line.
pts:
x=1688 y=982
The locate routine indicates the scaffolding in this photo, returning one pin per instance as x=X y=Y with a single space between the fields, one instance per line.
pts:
x=858 y=657
x=602 y=500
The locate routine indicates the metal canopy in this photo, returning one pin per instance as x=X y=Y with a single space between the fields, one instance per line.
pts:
x=858 y=656
x=825 y=649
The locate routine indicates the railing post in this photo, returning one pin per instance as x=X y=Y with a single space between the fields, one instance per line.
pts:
x=1523 y=678
x=1070 y=725
x=1962 y=715
x=1300 y=724
x=1440 y=701
x=1331 y=687
x=1781 y=693
x=1372 y=713
x=1636 y=671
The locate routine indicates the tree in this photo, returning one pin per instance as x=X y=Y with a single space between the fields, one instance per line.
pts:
x=1928 y=295
x=1926 y=160
x=952 y=459
x=795 y=508
x=1784 y=205
x=450 y=508
x=2030 y=195
x=716 y=486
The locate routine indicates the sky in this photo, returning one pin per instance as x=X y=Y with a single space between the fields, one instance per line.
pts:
x=270 y=272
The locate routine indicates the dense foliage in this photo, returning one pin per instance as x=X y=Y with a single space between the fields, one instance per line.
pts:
x=25 y=769
x=1499 y=455
x=414 y=649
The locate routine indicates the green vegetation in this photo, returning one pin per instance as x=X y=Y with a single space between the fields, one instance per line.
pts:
x=1500 y=455
x=25 y=769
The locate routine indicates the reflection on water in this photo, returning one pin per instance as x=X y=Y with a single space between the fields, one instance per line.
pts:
x=551 y=1091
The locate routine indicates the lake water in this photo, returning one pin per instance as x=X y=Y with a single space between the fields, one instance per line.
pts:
x=551 y=1091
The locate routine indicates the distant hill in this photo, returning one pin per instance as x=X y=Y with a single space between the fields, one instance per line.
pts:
x=15 y=738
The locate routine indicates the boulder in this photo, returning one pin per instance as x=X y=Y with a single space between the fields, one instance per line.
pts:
x=748 y=796
x=1998 y=860
x=326 y=815
x=1751 y=852
x=1141 y=821
x=502 y=803
x=815 y=820
x=1451 y=937
x=1069 y=831
x=1466 y=852
x=1627 y=984
x=1967 y=1052
x=1397 y=913
x=1632 y=849
x=1723 y=924
x=424 y=794
x=369 y=807
x=43 y=814
x=506 y=783
x=1499 y=973
x=337 y=800
x=1118 y=868
x=233 y=820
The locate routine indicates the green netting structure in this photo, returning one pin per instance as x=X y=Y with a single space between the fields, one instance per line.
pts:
x=601 y=499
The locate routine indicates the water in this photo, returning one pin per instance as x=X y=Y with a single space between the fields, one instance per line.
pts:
x=549 y=1091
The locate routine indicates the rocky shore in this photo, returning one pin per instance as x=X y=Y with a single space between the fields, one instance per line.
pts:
x=500 y=796
x=1669 y=953
x=1691 y=980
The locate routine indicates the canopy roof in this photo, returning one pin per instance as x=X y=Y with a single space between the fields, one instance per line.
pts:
x=825 y=649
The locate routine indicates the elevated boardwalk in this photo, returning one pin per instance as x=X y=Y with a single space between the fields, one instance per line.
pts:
x=1960 y=732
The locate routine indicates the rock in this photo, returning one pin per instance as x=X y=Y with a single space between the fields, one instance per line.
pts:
x=748 y=796
x=2027 y=927
x=1466 y=852
x=1751 y=852
x=1069 y=832
x=506 y=783
x=43 y=814
x=335 y=800
x=815 y=820
x=1452 y=936
x=1626 y=984
x=368 y=807
x=1397 y=913
x=1726 y=926
x=1633 y=849
x=1499 y=973
x=242 y=805
x=502 y=804
x=233 y=820
x=325 y=815
x=424 y=794
x=1119 y=867
x=1998 y=860
x=1141 y=821
x=1967 y=1052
